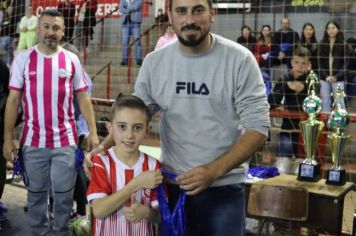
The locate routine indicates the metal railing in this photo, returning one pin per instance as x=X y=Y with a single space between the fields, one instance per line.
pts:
x=106 y=67
x=146 y=34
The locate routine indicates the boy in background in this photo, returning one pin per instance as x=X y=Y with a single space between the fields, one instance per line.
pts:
x=121 y=191
x=292 y=90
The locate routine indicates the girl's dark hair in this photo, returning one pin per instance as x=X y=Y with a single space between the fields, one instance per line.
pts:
x=324 y=46
x=339 y=35
x=313 y=38
x=262 y=38
x=129 y=101
x=245 y=27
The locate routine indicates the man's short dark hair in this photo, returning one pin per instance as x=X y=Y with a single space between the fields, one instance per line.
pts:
x=210 y=3
x=301 y=51
x=129 y=101
x=51 y=12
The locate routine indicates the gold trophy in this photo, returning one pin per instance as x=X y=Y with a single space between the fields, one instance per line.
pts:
x=338 y=120
x=309 y=169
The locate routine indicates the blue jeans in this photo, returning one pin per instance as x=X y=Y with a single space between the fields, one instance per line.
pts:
x=351 y=86
x=128 y=30
x=8 y=49
x=216 y=211
x=288 y=143
x=325 y=92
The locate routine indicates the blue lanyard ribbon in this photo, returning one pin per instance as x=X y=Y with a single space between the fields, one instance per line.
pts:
x=79 y=158
x=79 y=154
x=173 y=224
x=19 y=168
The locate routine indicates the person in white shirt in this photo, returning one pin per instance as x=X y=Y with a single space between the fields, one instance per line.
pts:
x=27 y=26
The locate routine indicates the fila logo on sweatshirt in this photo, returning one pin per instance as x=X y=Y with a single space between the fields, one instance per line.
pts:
x=191 y=88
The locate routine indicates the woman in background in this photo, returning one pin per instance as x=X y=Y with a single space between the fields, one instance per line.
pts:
x=332 y=64
x=309 y=41
x=246 y=38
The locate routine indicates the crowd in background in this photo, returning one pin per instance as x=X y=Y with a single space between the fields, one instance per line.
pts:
x=18 y=30
x=332 y=57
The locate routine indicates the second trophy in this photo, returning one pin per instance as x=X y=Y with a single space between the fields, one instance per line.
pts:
x=309 y=169
x=338 y=120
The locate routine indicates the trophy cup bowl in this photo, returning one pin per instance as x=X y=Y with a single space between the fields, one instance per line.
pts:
x=336 y=174
x=309 y=169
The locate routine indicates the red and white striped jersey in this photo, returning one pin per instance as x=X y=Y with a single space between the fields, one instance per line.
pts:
x=47 y=83
x=109 y=175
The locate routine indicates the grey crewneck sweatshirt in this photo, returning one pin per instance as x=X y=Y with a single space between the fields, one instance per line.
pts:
x=205 y=102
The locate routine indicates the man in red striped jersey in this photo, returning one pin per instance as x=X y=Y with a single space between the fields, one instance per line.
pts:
x=44 y=79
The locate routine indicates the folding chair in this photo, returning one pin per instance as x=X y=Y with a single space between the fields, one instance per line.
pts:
x=277 y=202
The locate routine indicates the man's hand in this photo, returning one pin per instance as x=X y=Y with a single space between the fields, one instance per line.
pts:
x=281 y=55
x=136 y=211
x=197 y=179
x=149 y=179
x=92 y=141
x=9 y=150
x=331 y=79
x=295 y=86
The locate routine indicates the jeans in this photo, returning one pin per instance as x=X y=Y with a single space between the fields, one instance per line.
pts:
x=351 y=86
x=325 y=92
x=288 y=144
x=128 y=30
x=7 y=48
x=43 y=165
x=216 y=211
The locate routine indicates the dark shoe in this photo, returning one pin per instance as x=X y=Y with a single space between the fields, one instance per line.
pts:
x=139 y=63
x=123 y=63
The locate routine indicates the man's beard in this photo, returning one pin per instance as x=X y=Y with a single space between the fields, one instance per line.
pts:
x=51 y=43
x=191 y=41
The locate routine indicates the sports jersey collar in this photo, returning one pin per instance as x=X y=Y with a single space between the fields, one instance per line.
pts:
x=138 y=164
x=45 y=55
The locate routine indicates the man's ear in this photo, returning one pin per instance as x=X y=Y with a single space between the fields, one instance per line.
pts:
x=213 y=13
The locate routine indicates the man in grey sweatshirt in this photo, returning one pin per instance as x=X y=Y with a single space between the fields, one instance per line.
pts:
x=214 y=115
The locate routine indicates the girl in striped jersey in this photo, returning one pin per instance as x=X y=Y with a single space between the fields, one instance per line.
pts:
x=123 y=180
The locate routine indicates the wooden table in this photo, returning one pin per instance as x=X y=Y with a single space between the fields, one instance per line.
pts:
x=326 y=202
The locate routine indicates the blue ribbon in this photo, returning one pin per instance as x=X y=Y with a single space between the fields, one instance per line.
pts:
x=173 y=224
x=19 y=168
x=263 y=172
x=79 y=158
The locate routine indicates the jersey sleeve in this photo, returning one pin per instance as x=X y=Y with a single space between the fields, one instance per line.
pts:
x=16 y=73
x=99 y=186
x=79 y=82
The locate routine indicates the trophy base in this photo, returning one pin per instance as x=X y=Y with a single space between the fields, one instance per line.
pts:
x=336 y=177
x=309 y=172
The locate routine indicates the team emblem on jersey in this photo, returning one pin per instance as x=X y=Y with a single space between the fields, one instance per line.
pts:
x=146 y=192
x=32 y=73
x=62 y=73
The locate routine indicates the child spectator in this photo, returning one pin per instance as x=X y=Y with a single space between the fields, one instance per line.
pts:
x=309 y=41
x=332 y=63
x=28 y=27
x=121 y=191
x=293 y=90
x=246 y=38
x=168 y=38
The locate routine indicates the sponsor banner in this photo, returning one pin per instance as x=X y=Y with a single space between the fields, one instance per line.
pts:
x=104 y=7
